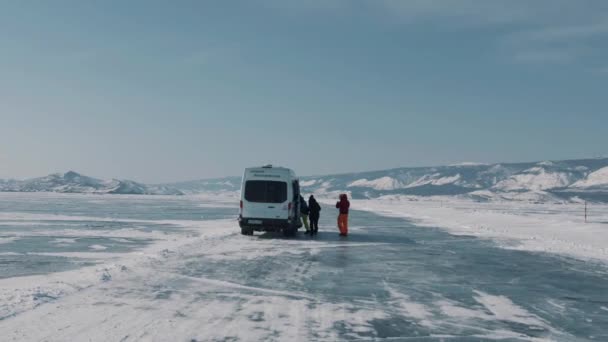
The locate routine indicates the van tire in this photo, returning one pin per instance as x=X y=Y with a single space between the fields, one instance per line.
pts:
x=246 y=231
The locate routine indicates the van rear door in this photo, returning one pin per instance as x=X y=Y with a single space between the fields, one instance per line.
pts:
x=265 y=199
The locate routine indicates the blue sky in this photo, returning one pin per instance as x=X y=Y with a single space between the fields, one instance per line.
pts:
x=162 y=91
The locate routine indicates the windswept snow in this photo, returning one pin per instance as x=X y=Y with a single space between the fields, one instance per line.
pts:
x=7 y=239
x=98 y=247
x=504 y=309
x=550 y=228
x=492 y=307
x=197 y=279
x=49 y=256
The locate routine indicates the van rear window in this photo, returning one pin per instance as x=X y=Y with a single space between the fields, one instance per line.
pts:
x=262 y=191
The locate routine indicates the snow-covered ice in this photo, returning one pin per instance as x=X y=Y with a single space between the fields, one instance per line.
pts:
x=178 y=269
x=545 y=227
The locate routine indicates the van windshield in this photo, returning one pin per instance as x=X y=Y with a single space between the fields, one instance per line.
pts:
x=262 y=191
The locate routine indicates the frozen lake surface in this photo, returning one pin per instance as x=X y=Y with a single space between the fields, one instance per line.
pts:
x=40 y=232
x=157 y=268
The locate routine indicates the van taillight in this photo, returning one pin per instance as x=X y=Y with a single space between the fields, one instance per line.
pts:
x=241 y=205
x=289 y=206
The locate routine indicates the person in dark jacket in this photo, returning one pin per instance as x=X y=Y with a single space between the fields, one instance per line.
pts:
x=315 y=211
x=343 y=205
x=304 y=211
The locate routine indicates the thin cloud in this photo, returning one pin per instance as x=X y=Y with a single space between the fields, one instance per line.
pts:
x=556 y=44
x=547 y=55
x=477 y=13
x=308 y=5
x=559 y=34
x=541 y=31
x=459 y=13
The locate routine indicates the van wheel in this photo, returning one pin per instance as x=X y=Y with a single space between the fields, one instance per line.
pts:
x=246 y=231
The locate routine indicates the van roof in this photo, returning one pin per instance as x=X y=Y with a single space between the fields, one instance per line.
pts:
x=268 y=167
x=271 y=170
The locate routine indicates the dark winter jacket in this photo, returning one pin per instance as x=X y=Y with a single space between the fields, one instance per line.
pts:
x=303 y=206
x=343 y=205
x=314 y=207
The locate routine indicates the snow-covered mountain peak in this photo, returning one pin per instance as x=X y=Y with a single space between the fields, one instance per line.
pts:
x=464 y=164
x=538 y=181
x=382 y=183
x=74 y=182
x=71 y=175
x=535 y=178
x=436 y=179
x=534 y=170
x=595 y=179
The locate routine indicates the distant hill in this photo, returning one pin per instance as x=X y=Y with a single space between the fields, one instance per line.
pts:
x=73 y=182
x=536 y=181
x=582 y=179
x=565 y=180
x=208 y=185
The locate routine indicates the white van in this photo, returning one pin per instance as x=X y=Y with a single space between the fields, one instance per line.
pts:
x=270 y=200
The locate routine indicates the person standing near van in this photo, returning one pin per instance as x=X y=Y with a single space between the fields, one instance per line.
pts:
x=315 y=211
x=343 y=205
x=304 y=211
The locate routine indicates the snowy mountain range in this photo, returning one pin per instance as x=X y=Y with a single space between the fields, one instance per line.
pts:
x=582 y=179
x=73 y=182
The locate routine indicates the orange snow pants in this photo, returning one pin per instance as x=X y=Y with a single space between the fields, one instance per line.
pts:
x=343 y=223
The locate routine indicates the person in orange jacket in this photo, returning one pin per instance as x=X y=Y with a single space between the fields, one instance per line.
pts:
x=343 y=205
